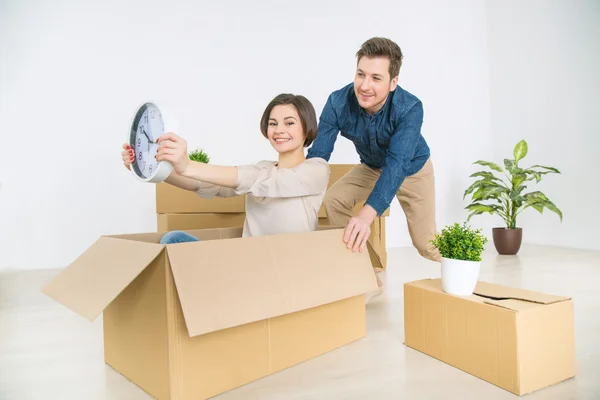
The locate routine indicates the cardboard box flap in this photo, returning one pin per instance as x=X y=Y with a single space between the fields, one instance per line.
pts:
x=91 y=282
x=231 y=282
x=497 y=295
x=513 y=298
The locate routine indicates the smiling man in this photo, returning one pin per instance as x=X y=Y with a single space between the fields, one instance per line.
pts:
x=384 y=123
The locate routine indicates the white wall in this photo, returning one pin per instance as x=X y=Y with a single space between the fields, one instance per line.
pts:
x=545 y=88
x=72 y=73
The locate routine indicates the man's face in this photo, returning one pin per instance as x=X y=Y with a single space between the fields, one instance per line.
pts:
x=372 y=83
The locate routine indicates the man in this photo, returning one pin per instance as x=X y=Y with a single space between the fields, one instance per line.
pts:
x=384 y=123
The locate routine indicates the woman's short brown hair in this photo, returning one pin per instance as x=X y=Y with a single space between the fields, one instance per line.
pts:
x=306 y=112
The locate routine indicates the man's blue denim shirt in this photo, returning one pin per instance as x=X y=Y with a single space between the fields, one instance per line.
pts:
x=389 y=140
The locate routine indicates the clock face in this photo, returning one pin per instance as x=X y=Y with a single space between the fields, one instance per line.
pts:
x=147 y=126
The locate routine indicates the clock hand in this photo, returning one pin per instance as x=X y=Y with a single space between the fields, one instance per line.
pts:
x=145 y=134
x=150 y=132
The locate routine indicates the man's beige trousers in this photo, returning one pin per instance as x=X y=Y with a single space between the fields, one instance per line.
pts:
x=416 y=196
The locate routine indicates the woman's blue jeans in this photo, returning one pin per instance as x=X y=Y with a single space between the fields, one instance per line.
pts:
x=178 y=237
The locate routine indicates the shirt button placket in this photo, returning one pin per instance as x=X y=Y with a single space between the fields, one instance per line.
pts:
x=372 y=136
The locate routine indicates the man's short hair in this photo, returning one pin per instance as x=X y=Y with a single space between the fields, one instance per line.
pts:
x=382 y=47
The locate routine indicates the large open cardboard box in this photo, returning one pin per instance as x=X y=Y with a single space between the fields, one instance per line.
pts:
x=516 y=339
x=192 y=320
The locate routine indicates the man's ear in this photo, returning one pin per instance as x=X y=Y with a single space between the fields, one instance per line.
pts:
x=393 y=83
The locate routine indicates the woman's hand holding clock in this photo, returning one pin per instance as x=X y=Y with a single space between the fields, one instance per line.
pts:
x=173 y=148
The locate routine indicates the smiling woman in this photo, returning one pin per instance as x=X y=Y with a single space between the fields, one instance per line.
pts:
x=282 y=196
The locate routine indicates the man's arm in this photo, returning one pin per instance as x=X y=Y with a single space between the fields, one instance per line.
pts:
x=402 y=147
x=322 y=146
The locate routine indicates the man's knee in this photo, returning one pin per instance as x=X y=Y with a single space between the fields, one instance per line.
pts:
x=337 y=201
x=427 y=250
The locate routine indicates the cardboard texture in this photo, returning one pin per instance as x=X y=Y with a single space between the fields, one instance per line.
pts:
x=171 y=222
x=519 y=340
x=171 y=199
x=192 y=320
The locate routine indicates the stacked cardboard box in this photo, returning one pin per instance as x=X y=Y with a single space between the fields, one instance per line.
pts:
x=179 y=209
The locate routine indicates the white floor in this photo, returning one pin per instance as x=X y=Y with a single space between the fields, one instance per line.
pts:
x=47 y=352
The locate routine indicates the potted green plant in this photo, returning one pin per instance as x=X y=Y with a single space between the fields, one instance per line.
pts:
x=460 y=247
x=506 y=197
x=199 y=155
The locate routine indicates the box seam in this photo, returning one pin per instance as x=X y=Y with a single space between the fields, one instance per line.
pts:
x=519 y=366
x=270 y=345
x=174 y=342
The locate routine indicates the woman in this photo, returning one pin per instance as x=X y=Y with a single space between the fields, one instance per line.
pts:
x=282 y=196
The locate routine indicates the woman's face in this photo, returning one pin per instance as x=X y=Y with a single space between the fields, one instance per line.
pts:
x=285 y=131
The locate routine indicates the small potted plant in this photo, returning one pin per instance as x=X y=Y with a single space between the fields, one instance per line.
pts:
x=460 y=247
x=199 y=155
x=507 y=198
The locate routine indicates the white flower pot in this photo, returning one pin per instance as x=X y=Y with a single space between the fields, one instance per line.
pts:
x=459 y=277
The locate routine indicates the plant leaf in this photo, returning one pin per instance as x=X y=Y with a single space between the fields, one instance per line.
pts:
x=491 y=165
x=535 y=197
x=539 y=200
x=489 y=191
x=520 y=150
x=518 y=179
x=485 y=174
x=550 y=169
x=484 y=183
x=512 y=167
x=549 y=205
x=481 y=207
x=474 y=186
x=538 y=207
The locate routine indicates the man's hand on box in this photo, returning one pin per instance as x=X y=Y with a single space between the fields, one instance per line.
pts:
x=358 y=229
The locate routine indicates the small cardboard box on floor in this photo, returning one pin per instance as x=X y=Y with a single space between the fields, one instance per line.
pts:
x=192 y=320
x=516 y=339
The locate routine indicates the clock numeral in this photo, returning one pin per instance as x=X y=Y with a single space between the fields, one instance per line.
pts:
x=139 y=142
x=151 y=169
x=140 y=156
x=152 y=113
x=146 y=117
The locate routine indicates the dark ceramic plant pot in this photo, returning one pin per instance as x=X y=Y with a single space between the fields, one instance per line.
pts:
x=507 y=241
